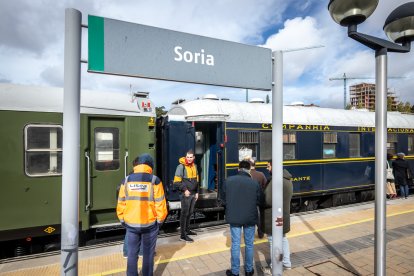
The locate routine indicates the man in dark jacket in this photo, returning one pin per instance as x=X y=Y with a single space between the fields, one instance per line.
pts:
x=242 y=196
x=402 y=174
x=287 y=197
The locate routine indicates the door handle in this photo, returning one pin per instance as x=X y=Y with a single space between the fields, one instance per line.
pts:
x=88 y=182
x=126 y=164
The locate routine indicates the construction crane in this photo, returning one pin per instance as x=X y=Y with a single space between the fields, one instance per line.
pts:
x=345 y=78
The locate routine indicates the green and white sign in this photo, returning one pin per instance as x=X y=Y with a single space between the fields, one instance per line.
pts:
x=128 y=49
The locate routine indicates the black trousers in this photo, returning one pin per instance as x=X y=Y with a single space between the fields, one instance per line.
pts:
x=187 y=209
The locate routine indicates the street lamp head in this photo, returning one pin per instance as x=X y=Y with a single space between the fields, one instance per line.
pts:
x=399 y=26
x=351 y=12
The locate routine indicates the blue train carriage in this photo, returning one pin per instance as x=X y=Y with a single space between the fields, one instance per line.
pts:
x=329 y=152
x=115 y=127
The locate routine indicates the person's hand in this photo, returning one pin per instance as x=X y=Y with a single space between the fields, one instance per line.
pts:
x=196 y=196
x=187 y=193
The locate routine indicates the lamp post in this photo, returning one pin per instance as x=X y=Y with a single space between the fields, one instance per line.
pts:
x=399 y=27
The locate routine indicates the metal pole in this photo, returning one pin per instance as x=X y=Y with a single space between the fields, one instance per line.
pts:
x=71 y=144
x=277 y=162
x=380 y=155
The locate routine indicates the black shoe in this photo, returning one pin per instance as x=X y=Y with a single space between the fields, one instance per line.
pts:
x=249 y=273
x=186 y=239
x=260 y=235
x=191 y=233
x=228 y=273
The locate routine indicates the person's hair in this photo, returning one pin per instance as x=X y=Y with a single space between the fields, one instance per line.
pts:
x=244 y=165
x=190 y=151
x=270 y=162
x=389 y=156
x=401 y=154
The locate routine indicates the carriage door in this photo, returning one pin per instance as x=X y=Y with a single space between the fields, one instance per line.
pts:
x=106 y=167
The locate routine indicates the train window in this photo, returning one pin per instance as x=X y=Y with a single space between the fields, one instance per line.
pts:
x=43 y=150
x=265 y=145
x=354 y=145
x=392 y=143
x=250 y=140
x=410 y=144
x=289 y=145
x=106 y=148
x=329 y=144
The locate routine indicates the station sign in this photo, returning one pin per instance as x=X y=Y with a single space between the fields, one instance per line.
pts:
x=128 y=49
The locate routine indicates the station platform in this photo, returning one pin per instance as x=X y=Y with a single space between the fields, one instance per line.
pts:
x=339 y=241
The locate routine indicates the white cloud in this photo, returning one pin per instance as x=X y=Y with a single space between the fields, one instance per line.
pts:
x=31 y=51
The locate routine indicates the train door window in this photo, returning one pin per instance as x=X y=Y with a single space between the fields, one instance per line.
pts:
x=265 y=145
x=106 y=148
x=43 y=150
x=392 y=143
x=289 y=145
x=250 y=140
x=354 y=145
x=330 y=139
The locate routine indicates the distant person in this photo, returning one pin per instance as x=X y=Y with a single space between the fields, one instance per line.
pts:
x=391 y=191
x=261 y=179
x=287 y=197
x=141 y=209
x=242 y=196
x=402 y=174
x=187 y=180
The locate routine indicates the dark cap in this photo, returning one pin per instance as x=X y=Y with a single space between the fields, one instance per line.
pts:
x=146 y=159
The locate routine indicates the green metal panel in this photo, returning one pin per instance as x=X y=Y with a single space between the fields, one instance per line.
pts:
x=96 y=43
x=25 y=201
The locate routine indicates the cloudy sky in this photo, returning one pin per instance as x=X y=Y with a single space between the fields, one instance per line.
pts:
x=32 y=39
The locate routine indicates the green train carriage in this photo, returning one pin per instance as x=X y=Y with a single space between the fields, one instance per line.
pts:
x=114 y=129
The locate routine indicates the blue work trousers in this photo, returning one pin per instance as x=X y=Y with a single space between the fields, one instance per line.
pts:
x=135 y=237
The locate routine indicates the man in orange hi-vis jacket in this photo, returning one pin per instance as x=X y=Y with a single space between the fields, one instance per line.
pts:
x=141 y=209
x=186 y=179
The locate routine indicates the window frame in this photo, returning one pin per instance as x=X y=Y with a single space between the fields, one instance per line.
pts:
x=97 y=163
x=410 y=152
x=393 y=142
x=247 y=143
x=328 y=141
x=26 y=150
x=291 y=140
x=359 y=144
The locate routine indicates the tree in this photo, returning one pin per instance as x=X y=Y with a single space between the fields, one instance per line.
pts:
x=389 y=104
x=159 y=111
x=407 y=107
x=400 y=107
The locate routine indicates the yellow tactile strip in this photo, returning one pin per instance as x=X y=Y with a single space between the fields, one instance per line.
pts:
x=166 y=253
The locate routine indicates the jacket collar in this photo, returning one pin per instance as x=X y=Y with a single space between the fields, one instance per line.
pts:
x=142 y=168
x=244 y=173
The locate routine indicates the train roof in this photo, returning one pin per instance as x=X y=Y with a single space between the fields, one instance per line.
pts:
x=243 y=112
x=50 y=99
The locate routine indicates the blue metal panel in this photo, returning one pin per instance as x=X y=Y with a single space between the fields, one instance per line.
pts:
x=348 y=174
x=402 y=143
x=368 y=144
x=342 y=147
x=304 y=150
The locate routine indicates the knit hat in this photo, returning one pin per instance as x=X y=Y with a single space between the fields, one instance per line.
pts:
x=401 y=154
x=146 y=159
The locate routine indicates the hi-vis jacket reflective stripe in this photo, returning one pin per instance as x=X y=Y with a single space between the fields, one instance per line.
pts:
x=141 y=199
x=186 y=176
